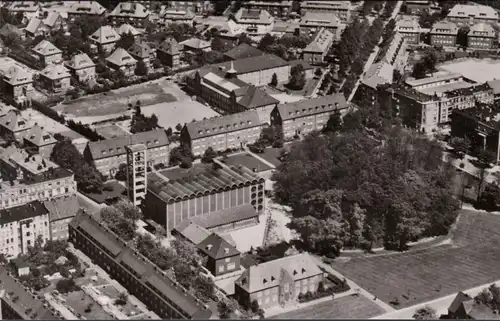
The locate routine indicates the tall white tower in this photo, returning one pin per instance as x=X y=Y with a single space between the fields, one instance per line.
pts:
x=136 y=173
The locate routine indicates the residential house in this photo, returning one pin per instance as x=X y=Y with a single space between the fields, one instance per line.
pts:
x=128 y=29
x=242 y=51
x=105 y=38
x=21 y=225
x=191 y=232
x=410 y=30
x=171 y=15
x=55 y=21
x=55 y=78
x=82 y=67
x=229 y=37
x=465 y=14
x=305 y=116
x=313 y=22
x=19 y=303
x=195 y=46
x=417 y=7
x=39 y=141
x=47 y=53
x=85 y=8
x=176 y=194
x=232 y=131
x=17 y=82
x=121 y=60
x=464 y=307
x=62 y=211
x=36 y=27
x=142 y=279
x=444 y=34
x=27 y=178
x=14 y=124
x=130 y=12
x=168 y=53
x=107 y=155
x=141 y=51
x=222 y=257
x=253 y=22
x=196 y=6
x=279 y=9
x=316 y=51
x=278 y=282
x=482 y=36
x=341 y=9
x=29 y=9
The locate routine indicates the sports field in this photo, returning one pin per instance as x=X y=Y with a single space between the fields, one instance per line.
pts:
x=479 y=70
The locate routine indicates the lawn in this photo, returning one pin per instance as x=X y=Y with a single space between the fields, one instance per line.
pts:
x=246 y=160
x=116 y=192
x=271 y=155
x=426 y=274
x=111 y=131
x=116 y=101
x=79 y=301
x=349 y=307
x=479 y=70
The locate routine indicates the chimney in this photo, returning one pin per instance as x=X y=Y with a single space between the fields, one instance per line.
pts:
x=209 y=247
x=226 y=250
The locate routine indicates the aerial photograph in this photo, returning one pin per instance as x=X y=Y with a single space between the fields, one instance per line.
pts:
x=245 y=159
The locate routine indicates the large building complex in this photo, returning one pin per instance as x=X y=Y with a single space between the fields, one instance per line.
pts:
x=177 y=194
x=133 y=13
x=164 y=296
x=341 y=9
x=482 y=36
x=410 y=29
x=281 y=8
x=254 y=22
x=463 y=14
x=444 y=34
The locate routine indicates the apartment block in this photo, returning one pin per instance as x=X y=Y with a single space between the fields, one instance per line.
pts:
x=253 y=22
x=444 y=34
x=170 y=15
x=410 y=30
x=47 y=53
x=341 y=9
x=177 y=194
x=312 y=22
x=279 y=9
x=482 y=36
x=142 y=279
x=168 y=52
x=305 y=116
x=316 y=52
x=133 y=13
x=196 y=6
x=417 y=7
x=465 y=14
x=107 y=155
x=61 y=211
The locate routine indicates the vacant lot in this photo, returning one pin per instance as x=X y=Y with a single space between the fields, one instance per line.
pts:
x=349 y=307
x=248 y=161
x=422 y=275
x=115 y=102
x=479 y=70
x=111 y=131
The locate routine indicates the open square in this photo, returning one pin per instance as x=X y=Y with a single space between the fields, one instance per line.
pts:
x=478 y=70
x=421 y=275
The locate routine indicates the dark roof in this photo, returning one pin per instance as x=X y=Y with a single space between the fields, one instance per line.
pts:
x=143 y=269
x=457 y=302
x=116 y=146
x=24 y=303
x=308 y=107
x=216 y=247
x=62 y=207
x=251 y=64
x=243 y=51
x=223 y=217
x=141 y=50
x=255 y=97
x=192 y=232
x=22 y=212
x=305 y=64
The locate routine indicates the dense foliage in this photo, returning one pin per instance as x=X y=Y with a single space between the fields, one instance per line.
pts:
x=351 y=190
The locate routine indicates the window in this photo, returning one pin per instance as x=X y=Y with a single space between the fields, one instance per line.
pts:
x=221 y=268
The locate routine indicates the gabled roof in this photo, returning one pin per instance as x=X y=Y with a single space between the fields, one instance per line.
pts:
x=307 y=107
x=265 y=275
x=379 y=73
x=477 y=11
x=457 y=302
x=46 y=48
x=193 y=232
x=406 y=24
x=14 y=122
x=223 y=124
x=22 y=212
x=120 y=57
x=495 y=85
x=105 y=35
x=126 y=28
x=141 y=50
x=252 y=64
x=324 y=19
x=116 y=146
x=87 y=8
x=195 y=43
x=51 y=19
x=177 y=14
x=321 y=42
x=482 y=30
x=255 y=97
x=169 y=46
x=16 y=75
x=130 y=9
x=33 y=25
x=24 y=6
x=444 y=27
x=223 y=217
x=244 y=50
x=55 y=72
x=217 y=247
x=62 y=207
x=253 y=16
x=80 y=61
x=8 y=29
x=39 y=137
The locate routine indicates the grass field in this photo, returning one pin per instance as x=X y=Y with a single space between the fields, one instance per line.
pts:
x=421 y=275
x=479 y=70
x=247 y=160
x=271 y=155
x=349 y=307
x=116 y=101
x=111 y=131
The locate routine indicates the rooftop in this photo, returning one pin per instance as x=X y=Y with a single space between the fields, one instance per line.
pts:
x=216 y=247
x=313 y=4
x=141 y=50
x=253 y=16
x=252 y=64
x=169 y=46
x=86 y=8
x=80 y=61
x=307 y=107
x=379 y=73
x=105 y=35
x=14 y=122
x=195 y=43
x=482 y=30
x=430 y=80
x=324 y=19
x=444 y=27
x=193 y=232
x=46 y=48
x=407 y=25
x=55 y=72
x=120 y=57
x=223 y=217
x=321 y=42
x=62 y=207
x=477 y=11
x=23 y=212
x=495 y=85
x=242 y=51
x=126 y=28
x=39 y=137
x=36 y=165
x=130 y=9
x=52 y=18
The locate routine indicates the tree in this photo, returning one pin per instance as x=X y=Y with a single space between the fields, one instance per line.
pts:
x=462 y=36
x=266 y=42
x=126 y=41
x=169 y=132
x=243 y=38
x=274 y=80
x=141 y=69
x=66 y=286
x=297 y=78
x=488 y=199
x=334 y=123
x=115 y=220
x=425 y=313
x=419 y=71
x=178 y=127
x=88 y=179
x=460 y=145
x=209 y=155
x=179 y=154
x=129 y=211
x=318 y=72
x=219 y=45
x=489 y=297
x=484 y=160
x=121 y=174
x=225 y=310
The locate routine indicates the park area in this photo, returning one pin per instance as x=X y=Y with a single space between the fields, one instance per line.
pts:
x=417 y=276
x=478 y=70
x=348 y=307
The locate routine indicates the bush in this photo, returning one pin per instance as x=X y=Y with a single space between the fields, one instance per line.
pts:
x=66 y=286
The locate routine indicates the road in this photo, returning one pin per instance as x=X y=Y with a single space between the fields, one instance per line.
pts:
x=374 y=53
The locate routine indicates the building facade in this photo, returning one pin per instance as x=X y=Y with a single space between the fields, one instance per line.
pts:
x=341 y=9
x=281 y=9
x=47 y=53
x=133 y=13
x=463 y=14
x=122 y=61
x=170 y=15
x=303 y=117
x=105 y=38
x=417 y=7
x=410 y=30
x=175 y=195
x=61 y=210
x=316 y=52
x=13 y=124
x=17 y=82
x=55 y=78
x=168 y=53
x=222 y=257
x=444 y=34
x=107 y=155
x=39 y=141
x=254 y=22
x=136 y=173
x=82 y=67
x=153 y=287
x=482 y=36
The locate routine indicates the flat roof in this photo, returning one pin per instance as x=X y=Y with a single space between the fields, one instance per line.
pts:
x=445 y=88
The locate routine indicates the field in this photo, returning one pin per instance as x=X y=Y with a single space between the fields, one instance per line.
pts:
x=111 y=131
x=479 y=70
x=115 y=102
x=348 y=307
x=422 y=275
x=247 y=160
